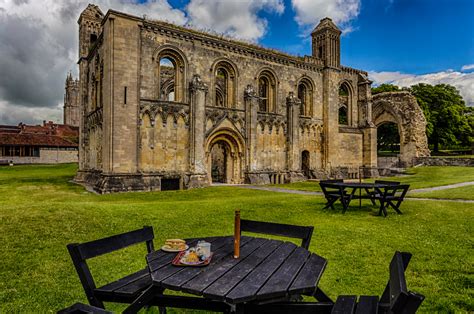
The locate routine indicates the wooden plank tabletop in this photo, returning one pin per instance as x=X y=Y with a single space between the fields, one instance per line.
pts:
x=267 y=269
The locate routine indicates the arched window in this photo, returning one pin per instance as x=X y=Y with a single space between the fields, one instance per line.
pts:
x=224 y=85
x=167 y=79
x=221 y=88
x=343 y=115
x=344 y=104
x=267 y=91
x=305 y=94
x=170 y=76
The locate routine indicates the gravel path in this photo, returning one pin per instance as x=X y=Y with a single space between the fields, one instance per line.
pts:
x=443 y=187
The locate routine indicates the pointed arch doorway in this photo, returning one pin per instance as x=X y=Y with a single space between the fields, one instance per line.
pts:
x=224 y=154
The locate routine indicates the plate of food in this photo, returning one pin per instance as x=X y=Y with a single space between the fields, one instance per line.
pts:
x=174 y=245
x=191 y=258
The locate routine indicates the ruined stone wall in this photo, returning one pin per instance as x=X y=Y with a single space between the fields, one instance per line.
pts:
x=440 y=161
x=310 y=140
x=164 y=144
x=130 y=130
x=271 y=150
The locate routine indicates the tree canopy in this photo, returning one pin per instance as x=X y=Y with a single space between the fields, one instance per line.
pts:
x=385 y=88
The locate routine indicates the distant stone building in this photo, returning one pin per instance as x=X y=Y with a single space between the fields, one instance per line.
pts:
x=164 y=106
x=71 y=102
x=41 y=144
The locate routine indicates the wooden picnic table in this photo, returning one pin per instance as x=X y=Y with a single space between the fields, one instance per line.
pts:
x=267 y=271
x=369 y=188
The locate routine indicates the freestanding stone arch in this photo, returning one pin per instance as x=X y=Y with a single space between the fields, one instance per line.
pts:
x=402 y=109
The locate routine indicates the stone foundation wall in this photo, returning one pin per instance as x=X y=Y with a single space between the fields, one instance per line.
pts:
x=388 y=162
x=46 y=157
x=439 y=161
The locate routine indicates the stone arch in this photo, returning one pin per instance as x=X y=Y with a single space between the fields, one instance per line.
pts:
x=402 y=109
x=305 y=92
x=234 y=154
x=180 y=64
x=224 y=83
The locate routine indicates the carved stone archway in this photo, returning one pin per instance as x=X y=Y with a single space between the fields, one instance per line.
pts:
x=402 y=109
x=233 y=147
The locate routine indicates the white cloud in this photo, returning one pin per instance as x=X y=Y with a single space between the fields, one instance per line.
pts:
x=39 y=44
x=14 y=114
x=310 y=12
x=467 y=67
x=235 y=18
x=464 y=82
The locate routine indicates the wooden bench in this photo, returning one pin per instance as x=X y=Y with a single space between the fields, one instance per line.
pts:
x=80 y=308
x=124 y=290
x=291 y=231
x=395 y=299
x=391 y=196
x=333 y=192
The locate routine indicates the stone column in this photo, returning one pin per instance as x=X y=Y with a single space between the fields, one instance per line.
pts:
x=197 y=115
x=292 y=138
x=251 y=106
x=369 y=130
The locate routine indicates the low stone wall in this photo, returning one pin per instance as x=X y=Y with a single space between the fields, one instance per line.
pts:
x=440 y=161
x=52 y=156
x=388 y=162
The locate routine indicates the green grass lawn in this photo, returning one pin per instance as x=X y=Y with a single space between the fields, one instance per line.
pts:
x=421 y=177
x=465 y=192
x=41 y=211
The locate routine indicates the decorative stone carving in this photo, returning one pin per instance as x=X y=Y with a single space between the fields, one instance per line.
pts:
x=94 y=118
x=164 y=109
x=250 y=92
x=197 y=83
x=292 y=100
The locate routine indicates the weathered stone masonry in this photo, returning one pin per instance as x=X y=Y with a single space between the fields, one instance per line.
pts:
x=164 y=106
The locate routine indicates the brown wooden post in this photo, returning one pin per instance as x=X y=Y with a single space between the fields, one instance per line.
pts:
x=237 y=234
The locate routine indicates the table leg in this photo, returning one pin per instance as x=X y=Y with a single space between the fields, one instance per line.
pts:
x=143 y=300
x=321 y=296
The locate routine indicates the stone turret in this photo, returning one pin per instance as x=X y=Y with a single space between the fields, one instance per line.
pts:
x=71 y=102
x=89 y=28
x=326 y=43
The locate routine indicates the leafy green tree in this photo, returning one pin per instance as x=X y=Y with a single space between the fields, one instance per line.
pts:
x=388 y=137
x=385 y=88
x=448 y=117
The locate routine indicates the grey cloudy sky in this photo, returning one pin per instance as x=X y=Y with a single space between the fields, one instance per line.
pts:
x=39 y=43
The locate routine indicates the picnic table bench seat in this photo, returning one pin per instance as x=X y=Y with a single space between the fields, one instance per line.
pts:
x=391 y=196
x=81 y=308
x=123 y=290
x=333 y=192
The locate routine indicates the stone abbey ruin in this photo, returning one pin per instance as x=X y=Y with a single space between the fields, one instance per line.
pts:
x=167 y=107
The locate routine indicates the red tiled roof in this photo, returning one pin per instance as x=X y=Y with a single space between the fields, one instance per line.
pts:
x=9 y=129
x=32 y=139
